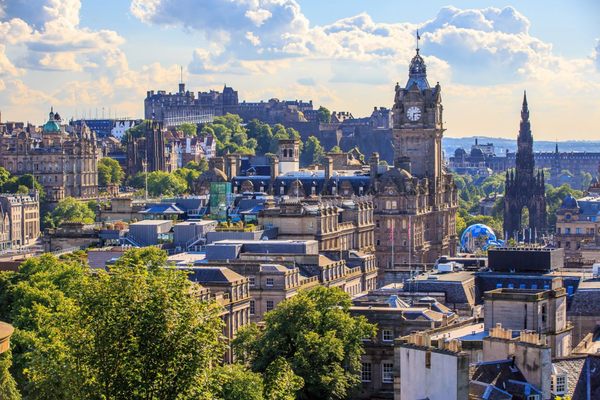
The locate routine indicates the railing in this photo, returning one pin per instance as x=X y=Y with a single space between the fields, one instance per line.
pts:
x=354 y=271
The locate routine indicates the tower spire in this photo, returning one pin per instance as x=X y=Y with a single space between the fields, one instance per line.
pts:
x=525 y=108
x=418 y=38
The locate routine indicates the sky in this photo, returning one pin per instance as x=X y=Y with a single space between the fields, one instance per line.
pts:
x=99 y=57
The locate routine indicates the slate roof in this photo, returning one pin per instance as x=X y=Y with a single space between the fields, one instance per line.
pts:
x=207 y=275
x=586 y=300
x=163 y=208
x=485 y=391
x=583 y=375
x=497 y=373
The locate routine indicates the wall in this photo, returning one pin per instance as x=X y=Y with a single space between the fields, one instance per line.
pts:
x=446 y=379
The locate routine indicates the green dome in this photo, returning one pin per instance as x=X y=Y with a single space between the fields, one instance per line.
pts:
x=51 y=126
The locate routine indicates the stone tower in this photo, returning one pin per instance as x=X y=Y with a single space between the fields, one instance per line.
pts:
x=416 y=200
x=289 y=155
x=525 y=187
x=417 y=122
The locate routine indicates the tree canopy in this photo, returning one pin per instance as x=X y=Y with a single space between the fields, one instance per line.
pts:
x=315 y=333
x=188 y=129
x=313 y=152
x=324 y=115
x=70 y=210
x=110 y=172
x=135 y=332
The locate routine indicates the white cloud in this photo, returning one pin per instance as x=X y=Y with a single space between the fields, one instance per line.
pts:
x=50 y=35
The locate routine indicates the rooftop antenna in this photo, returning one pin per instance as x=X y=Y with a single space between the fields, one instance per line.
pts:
x=181 y=74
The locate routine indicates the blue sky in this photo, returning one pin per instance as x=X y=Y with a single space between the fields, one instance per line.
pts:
x=344 y=54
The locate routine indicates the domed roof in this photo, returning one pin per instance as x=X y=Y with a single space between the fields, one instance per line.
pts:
x=417 y=73
x=53 y=124
x=214 y=175
x=460 y=152
x=569 y=202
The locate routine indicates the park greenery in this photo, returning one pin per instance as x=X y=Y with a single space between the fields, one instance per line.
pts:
x=139 y=331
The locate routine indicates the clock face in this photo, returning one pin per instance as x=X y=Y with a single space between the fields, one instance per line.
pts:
x=413 y=113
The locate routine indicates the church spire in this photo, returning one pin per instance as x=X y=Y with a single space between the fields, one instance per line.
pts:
x=525 y=108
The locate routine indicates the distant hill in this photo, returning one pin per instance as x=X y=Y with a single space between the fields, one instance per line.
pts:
x=450 y=144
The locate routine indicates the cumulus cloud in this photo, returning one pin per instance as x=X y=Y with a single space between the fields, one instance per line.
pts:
x=50 y=34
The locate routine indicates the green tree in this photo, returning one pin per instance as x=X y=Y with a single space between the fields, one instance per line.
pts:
x=161 y=353
x=162 y=183
x=262 y=133
x=335 y=149
x=135 y=332
x=324 y=115
x=199 y=166
x=188 y=129
x=236 y=382
x=313 y=152
x=70 y=210
x=8 y=386
x=110 y=172
x=315 y=333
x=281 y=383
x=189 y=176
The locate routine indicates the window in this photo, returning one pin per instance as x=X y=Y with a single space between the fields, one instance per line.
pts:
x=559 y=384
x=252 y=307
x=269 y=281
x=533 y=397
x=387 y=335
x=387 y=373
x=534 y=286
x=252 y=280
x=498 y=285
x=522 y=286
x=365 y=372
x=269 y=305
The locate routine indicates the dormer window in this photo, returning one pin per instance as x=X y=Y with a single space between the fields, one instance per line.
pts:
x=559 y=384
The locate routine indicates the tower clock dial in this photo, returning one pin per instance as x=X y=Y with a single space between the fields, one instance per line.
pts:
x=413 y=113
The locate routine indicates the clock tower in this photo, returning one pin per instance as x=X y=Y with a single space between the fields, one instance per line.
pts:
x=415 y=202
x=418 y=126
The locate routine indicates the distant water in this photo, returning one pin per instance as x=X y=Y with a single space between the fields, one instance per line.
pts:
x=501 y=145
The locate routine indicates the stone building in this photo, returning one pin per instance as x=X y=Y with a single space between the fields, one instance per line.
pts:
x=416 y=200
x=270 y=284
x=173 y=109
x=233 y=292
x=577 y=224
x=63 y=159
x=20 y=220
x=525 y=188
x=338 y=225
x=152 y=150
x=540 y=310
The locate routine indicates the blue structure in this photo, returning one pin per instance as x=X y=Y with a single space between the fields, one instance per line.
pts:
x=478 y=237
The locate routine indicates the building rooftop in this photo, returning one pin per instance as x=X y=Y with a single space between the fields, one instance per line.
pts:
x=459 y=276
x=151 y=222
x=208 y=275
